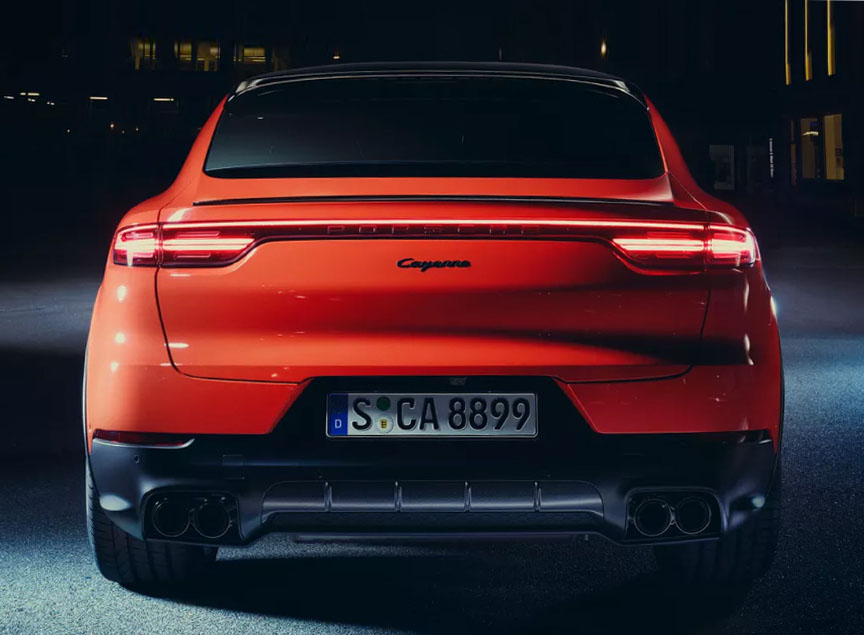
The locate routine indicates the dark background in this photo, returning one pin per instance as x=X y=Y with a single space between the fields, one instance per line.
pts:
x=71 y=166
x=715 y=69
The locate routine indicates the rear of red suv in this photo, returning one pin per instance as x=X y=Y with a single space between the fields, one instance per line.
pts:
x=457 y=300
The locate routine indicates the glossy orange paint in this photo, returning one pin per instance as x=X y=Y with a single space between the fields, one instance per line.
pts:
x=228 y=349
x=297 y=309
x=131 y=384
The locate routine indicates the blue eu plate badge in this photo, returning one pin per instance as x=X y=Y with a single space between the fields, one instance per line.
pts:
x=337 y=415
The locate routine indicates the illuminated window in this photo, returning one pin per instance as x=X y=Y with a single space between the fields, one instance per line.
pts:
x=822 y=148
x=208 y=54
x=786 y=42
x=808 y=54
x=811 y=157
x=250 y=54
x=834 y=166
x=183 y=55
x=829 y=15
x=143 y=53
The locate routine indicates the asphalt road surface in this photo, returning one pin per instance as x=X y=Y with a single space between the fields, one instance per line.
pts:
x=48 y=583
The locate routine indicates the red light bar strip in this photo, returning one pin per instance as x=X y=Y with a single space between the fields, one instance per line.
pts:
x=412 y=223
x=647 y=244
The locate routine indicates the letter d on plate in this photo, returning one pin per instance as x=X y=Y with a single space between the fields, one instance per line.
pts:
x=337 y=415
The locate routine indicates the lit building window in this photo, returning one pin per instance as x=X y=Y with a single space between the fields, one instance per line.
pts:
x=808 y=54
x=143 y=53
x=183 y=55
x=164 y=106
x=834 y=166
x=786 y=41
x=822 y=148
x=829 y=16
x=811 y=157
x=250 y=54
x=208 y=54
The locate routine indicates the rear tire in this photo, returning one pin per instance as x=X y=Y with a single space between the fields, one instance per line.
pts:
x=138 y=563
x=739 y=556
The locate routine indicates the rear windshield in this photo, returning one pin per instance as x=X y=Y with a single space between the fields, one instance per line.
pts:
x=468 y=126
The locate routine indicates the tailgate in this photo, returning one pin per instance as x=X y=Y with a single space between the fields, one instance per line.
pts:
x=396 y=288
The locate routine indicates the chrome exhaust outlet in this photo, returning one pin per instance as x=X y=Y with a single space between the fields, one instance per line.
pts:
x=170 y=518
x=692 y=516
x=211 y=519
x=652 y=517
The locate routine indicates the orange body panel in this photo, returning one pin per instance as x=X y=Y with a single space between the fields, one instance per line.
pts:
x=132 y=386
x=226 y=349
x=292 y=310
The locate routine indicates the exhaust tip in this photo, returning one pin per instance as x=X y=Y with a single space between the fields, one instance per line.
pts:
x=170 y=518
x=211 y=520
x=652 y=517
x=692 y=515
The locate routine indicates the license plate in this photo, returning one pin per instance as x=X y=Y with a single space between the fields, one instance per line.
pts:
x=431 y=415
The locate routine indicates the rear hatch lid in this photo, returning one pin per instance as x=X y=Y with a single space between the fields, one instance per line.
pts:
x=454 y=286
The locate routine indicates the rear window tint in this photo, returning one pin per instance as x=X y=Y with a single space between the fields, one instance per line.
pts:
x=455 y=126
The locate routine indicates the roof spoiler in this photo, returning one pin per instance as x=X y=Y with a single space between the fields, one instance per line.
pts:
x=540 y=72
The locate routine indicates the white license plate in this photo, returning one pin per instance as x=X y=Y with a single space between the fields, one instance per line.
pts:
x=431 y=415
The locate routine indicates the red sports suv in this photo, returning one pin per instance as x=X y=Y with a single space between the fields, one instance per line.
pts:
x=445 y=299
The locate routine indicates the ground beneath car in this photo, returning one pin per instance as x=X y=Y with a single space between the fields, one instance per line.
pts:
x=48 y=583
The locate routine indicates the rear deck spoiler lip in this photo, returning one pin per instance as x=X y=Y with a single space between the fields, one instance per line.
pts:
x=548 y=73
x=461 y=198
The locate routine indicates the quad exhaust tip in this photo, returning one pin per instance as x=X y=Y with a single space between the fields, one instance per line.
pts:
x=692 y=515
x=655 y=516
x=173 y=516
x=170 y=518
x=211 y=519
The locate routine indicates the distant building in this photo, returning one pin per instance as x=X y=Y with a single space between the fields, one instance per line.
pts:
x=764 y=96
x=823 y=103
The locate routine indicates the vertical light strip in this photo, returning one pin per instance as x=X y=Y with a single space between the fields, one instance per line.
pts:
x=786 y=41
x=771 y=157
x=832 y=69
x=808 y=58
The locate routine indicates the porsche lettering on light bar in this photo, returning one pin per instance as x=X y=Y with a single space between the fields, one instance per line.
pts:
x=650 y=245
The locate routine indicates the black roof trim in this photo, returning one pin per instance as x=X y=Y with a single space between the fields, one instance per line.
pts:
x=455 y=69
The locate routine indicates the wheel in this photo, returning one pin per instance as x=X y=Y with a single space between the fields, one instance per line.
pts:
x=739 y=556
x=138 y=563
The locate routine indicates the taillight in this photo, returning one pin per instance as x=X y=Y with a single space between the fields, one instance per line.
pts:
x=712 y=246
x=152 y=245
x=203 y=247
x=730 y=247
x=664 y=247
x=137 y=246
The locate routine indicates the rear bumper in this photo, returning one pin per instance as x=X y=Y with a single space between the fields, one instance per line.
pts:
x=264 y=489
x=734 y=385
